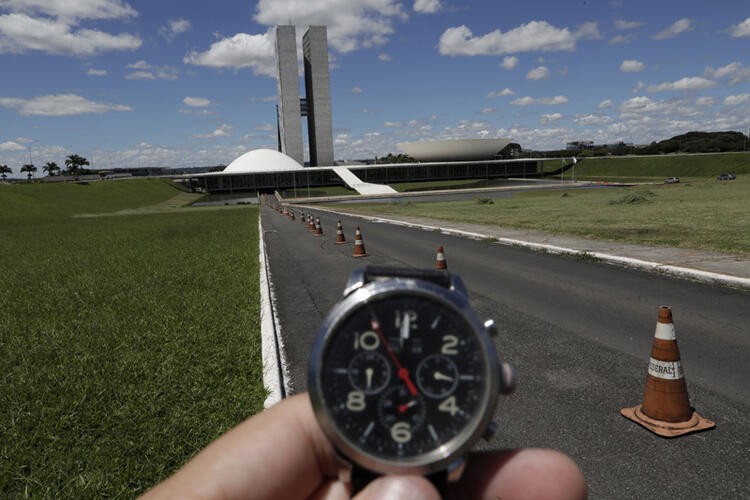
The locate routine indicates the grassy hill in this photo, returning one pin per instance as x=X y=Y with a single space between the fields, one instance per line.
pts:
x=657 y=167
x=128 y=342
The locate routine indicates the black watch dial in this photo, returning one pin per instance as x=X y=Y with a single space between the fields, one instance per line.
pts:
x=402 y=375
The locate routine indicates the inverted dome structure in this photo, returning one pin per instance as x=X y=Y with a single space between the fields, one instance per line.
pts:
x=262 y=160
x=456 y=150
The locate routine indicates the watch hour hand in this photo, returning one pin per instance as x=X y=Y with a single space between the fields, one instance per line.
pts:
x=441 y=376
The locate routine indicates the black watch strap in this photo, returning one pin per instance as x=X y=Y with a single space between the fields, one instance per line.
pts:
x=362 y=477
x=439 y=277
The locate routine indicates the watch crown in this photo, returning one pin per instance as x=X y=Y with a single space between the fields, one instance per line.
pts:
x=489 y=431
x=507 y=378
x=490 y=327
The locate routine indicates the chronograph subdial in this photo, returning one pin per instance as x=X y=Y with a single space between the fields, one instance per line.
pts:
x=400 y=412
x=369 y=372
x=437 y=376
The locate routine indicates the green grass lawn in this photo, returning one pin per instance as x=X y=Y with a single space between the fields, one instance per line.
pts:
x=128 y=343
x=705 y=214
x=694 y=167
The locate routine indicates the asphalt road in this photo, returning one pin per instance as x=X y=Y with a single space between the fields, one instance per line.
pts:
x=579 y=333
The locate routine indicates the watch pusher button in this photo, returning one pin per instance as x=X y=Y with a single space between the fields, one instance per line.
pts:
x=490 y=327
x=507 y=378
x=489 y=431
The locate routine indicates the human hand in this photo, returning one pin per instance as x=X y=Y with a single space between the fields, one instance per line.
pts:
x=282 y=453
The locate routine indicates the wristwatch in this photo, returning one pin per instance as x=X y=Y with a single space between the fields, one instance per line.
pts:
x=403 y=376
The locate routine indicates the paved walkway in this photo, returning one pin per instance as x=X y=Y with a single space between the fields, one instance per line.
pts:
x=698 y=265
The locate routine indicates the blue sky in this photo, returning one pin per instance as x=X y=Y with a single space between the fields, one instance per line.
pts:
x=190 y=83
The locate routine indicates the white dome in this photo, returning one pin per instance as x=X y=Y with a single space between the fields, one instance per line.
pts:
x=262 y=160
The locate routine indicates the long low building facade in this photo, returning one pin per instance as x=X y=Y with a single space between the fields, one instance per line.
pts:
x=314 y=177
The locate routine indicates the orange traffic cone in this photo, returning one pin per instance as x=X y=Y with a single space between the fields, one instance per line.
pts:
x=340 y=238
x=310 y=222
x=440 y=259
x=318 y=229
x=666 y=407
x=359 y=246
x=291 y=215
x=302 y=217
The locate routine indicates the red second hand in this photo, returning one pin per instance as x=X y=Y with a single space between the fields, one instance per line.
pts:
x=403 y=373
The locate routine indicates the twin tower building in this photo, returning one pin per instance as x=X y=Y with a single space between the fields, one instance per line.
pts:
x=316 y=105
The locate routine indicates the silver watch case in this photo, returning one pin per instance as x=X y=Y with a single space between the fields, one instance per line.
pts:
x=448 y=456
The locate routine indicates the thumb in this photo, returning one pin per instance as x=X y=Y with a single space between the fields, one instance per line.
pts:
x=406 y=487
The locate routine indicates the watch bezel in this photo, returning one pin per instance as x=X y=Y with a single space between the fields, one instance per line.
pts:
x=441 y=457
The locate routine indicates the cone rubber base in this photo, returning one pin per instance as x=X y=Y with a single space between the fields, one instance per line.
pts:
x=696 y=423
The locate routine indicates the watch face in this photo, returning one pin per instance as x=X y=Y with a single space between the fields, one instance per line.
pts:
x=403 y=378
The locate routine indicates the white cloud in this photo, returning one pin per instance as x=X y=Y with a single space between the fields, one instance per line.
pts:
x=540 y=73
x=549 y=118
x=59 y=105
x=632 y=66
x=223 y=131
x=734 y=71
x=627 y=25
x=356 y=90
x=734 y=100
x=679 y=26
x=587 y=120
x=742 y=29
x=729 y=69
x=196 y=102
x=72 y=10
x=173 y=28
x=240 y=51
x=352 y=24
x=148 y=71
x=384 y=57
x=705 y=101
x=687 y=83
x=605 y=104
x=11 y=146
x=528 y=101
x=19 y=33
x=619 y=39
x=393 y=124
x=96 y=72
x=427 y=6
x=509 y=62
x=534 y=36
x=488 y=111
x=502 y=93
x=196 y=111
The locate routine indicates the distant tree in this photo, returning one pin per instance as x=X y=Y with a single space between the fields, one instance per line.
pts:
x=75 y=162
x=399 y=158
x=4 y=171
x=50 y=167
x=30 y=169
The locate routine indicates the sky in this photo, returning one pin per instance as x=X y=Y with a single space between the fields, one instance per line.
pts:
x=188 y=83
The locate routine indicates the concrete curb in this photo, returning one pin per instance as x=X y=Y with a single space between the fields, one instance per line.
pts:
x=275 y=367
x=629 y=262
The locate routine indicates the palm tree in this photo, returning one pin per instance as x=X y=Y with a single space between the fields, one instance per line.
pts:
x=4 y=171
x=75 y=162
x=30 y=168
x=51 y=167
